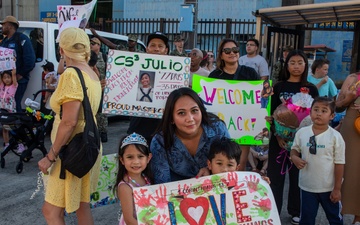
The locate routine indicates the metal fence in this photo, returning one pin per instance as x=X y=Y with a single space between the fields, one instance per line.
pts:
x=209 y=32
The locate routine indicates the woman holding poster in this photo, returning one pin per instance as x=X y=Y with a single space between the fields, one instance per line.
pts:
x=181 y=145
x=228 y=68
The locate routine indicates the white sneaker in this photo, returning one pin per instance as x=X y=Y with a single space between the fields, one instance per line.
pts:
x=295 y=220
x=20 y=148
x=5 y=146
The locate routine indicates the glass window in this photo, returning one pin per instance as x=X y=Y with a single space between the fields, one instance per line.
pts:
x=37 y=40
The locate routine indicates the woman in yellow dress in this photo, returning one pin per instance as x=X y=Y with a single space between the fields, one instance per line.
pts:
x=72 y=193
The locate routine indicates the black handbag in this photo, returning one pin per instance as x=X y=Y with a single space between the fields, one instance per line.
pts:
x=81 y=153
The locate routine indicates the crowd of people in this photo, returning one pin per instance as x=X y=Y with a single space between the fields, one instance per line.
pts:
x=190 y=142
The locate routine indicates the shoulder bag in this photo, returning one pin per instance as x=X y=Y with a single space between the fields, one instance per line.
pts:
x=81 y=153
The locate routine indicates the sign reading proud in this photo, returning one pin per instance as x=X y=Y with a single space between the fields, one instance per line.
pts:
x=138 y=84
x=228 y=198
x=237 y=103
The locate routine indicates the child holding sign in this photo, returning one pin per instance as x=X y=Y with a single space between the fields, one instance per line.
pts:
x=8 y=86
x=224 y=156
x=321 y=164
x=134 y=156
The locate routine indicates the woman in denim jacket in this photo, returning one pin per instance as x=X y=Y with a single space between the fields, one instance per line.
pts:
x=181 y=145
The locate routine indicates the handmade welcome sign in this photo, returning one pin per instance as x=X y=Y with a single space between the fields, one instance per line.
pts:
x=224 y=199
x=238 y=103
x=138 y=84
x=7 y=61
x=104 y=194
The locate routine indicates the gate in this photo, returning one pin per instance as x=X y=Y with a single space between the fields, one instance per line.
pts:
x=209 y=31
x=278 y=38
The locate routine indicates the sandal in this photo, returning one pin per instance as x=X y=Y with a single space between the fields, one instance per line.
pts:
x=262 y=172
x=255 y=170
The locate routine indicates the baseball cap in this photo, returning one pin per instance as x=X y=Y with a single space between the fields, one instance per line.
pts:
x=10 y=19
x=159 y=35
x=132 y=37
x=178 y=38
x=96 y=40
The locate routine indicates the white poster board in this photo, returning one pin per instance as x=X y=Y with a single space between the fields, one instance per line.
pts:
x=124 y=93
x=237 y=103
x=7 y=61
x=228 y=198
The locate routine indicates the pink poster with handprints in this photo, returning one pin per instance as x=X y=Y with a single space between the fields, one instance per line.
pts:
x=228 y=198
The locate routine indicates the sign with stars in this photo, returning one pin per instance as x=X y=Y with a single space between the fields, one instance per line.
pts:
x=104 y=194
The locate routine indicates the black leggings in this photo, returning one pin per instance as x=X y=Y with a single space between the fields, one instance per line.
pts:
x=278 y=165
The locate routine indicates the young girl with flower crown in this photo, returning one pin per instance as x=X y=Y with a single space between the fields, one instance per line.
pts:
x=134 y=156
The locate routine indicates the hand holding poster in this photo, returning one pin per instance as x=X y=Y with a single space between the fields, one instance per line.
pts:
x=7 y=59
x=138 y=84
x=229 y=198
x=239 y=104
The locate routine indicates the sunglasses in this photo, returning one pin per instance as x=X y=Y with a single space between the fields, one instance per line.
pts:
x=93 y=43
x=229 y=50
x=312 y=148
x=211 y=56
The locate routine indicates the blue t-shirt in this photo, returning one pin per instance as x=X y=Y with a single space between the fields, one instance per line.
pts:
x=328 y=89
x=178 y=164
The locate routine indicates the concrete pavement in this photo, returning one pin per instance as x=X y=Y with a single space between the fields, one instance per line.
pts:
x=16 y=208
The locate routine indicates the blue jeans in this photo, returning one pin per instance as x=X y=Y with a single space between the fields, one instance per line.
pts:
x=310 y=205
x=264 y=102
x=19 y=94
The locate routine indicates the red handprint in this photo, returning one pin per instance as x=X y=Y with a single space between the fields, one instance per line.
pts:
x=232 y=181
x=161 y=220
x=184 y=191
x=141 y=199
x=252 y=183
x=160 y=199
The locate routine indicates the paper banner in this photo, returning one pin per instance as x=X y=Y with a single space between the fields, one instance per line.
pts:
x=228 y=198
x=6 y=59
x=122 y=94
x=104 y=194
x=74 y=16
x=75 y=12
x=237 y=103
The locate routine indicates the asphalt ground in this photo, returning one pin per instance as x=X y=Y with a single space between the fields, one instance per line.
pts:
x=16 y=207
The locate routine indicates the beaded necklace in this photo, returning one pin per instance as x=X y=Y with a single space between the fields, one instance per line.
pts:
x=136 y=184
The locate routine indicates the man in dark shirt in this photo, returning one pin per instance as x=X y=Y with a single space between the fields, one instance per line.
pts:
x=157 y=43
x=25 y=55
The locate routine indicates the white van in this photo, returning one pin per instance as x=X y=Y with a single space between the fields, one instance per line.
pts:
x=48 y=50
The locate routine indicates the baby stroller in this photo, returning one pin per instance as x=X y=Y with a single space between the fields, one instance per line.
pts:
x=28 y=128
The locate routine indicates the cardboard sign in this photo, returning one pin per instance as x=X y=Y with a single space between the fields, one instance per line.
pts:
x=6 y=59
x=127 y=94
x=238 y=104
x=104 y=194
x=228 y=198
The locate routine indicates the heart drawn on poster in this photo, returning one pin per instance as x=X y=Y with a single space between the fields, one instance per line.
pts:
x=195 y=210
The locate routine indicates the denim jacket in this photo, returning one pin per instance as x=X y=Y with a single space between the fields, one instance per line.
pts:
x=178 y=164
